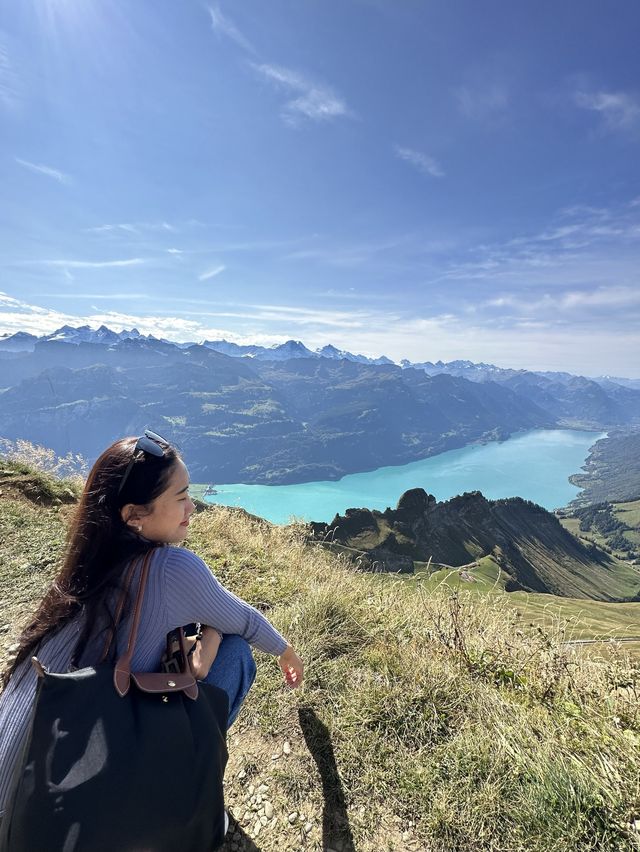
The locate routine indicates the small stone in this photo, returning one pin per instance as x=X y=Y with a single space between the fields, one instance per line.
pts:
x=268 y=810
x=286 y=748
x=263 y=788
x=275 y=757
x=256 y=828
x=307 y=827
x=242 y=774
x=247 y=817
x=264 y=820
x=258 y=798
x=292 y=817
x=251 y=789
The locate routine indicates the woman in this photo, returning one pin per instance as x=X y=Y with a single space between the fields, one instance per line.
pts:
x=136 y=498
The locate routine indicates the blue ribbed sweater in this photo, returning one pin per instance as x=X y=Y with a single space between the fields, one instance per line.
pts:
x=180 y=590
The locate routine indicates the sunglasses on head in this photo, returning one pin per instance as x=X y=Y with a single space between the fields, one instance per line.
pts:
x=150 y=443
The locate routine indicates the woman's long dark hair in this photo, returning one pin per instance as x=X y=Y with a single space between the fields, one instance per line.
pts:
x=100 y=545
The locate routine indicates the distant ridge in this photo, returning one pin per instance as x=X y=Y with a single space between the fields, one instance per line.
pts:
x=525 y=541
x=248 y=419
x=25 y=342
x=280 y=414
x=22 y=342
x=470 y=370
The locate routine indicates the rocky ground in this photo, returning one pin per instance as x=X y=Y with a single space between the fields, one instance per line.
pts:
x=261 y=816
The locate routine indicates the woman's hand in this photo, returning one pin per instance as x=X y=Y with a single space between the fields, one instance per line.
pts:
x=292 y=667
x=205 y=651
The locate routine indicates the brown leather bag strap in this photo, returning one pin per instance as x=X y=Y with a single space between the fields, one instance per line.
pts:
x=122 y=670
x=118 y=613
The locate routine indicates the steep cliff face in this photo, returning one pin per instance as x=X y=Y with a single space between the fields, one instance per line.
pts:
x=527 y=542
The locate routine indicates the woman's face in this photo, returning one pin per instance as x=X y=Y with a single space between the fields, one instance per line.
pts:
x=168 y=520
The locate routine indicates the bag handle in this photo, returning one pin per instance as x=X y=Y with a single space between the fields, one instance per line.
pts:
x=118 y=613
x=122 y=670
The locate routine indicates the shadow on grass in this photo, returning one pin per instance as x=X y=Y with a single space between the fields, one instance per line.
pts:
x=336 y=832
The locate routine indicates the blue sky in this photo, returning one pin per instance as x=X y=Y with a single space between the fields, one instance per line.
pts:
x=426 y=180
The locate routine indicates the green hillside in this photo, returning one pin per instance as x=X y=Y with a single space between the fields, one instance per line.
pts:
x=612 y=526
x=576 y=618
x=432 y=718
x=534 y=551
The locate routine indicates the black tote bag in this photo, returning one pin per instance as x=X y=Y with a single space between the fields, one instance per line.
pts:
x=121 y=762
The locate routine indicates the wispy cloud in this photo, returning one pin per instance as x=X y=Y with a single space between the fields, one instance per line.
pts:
x=108 y=297
x=211 y=273
x=8 y=78
x=286 y=317
x=257 y=245
x=314 y=101
x=56 y=174
x=531 y=344
x=583 y=244
x=7 y=301
x=425 y=163
x=482 y=102
x=352 y=255
x=570 y=300
x=132 y=227
x=92 y=264
x=105 y=229
x=314 y=316
x=224 y=26
x=620 y=111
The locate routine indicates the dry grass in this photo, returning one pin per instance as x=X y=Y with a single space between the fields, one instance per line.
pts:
x=72 y=468
x=450 y=726
x=430 y=720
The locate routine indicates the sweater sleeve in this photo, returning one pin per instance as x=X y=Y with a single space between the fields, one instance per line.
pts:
x=194 y=594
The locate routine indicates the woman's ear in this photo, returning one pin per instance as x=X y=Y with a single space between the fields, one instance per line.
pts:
x=130 y=514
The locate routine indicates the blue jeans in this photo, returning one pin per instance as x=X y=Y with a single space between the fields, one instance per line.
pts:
x=233 y=670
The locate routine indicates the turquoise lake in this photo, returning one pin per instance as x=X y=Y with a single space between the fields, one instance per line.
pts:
x=534 y=465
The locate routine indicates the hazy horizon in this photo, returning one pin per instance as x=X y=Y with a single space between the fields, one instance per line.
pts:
x=317 y=349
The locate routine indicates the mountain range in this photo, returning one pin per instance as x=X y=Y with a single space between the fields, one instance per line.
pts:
x=480 y=372
x=24 y=342
x=280 y=414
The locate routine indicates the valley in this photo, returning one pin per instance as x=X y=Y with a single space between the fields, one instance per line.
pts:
x=280 y=415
